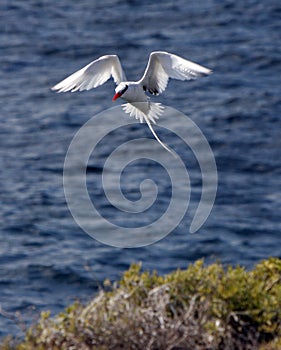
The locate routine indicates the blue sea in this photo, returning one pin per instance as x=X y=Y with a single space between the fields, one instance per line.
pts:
x=46 y=260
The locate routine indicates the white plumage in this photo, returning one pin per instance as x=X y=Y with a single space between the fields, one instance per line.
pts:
x=160 y=67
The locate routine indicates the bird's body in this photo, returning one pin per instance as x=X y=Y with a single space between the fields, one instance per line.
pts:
x=134 y=93
x=161 y=66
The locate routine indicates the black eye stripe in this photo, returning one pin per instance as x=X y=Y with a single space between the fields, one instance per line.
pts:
x=124 y=90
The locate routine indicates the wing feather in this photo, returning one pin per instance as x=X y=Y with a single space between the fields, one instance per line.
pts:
x=93 y=75
x=163 y=65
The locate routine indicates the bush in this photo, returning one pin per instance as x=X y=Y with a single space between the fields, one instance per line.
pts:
x=197 y=308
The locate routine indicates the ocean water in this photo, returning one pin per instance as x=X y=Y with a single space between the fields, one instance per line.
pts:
x=46 y=260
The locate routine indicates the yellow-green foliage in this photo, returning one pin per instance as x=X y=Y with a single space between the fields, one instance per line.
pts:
x=201 y=307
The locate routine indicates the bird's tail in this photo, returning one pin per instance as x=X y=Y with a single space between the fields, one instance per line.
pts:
x=157 y=138
x=139 y=109
x=147 y=112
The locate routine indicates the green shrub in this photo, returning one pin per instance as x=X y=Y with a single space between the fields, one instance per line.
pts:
x=202 y=307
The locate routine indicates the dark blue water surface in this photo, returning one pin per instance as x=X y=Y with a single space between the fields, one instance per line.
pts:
x=46 y=260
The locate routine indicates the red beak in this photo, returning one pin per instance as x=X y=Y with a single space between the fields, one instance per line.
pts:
x=116 y=96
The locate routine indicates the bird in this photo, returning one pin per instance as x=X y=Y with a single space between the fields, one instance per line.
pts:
x=160 y=68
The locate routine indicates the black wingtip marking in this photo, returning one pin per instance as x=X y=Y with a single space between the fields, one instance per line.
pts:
x=151 y=91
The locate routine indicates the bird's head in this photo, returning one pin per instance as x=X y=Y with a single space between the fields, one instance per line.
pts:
x=120 y=90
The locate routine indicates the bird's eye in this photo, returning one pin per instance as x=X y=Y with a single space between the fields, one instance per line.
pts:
x=124 y=90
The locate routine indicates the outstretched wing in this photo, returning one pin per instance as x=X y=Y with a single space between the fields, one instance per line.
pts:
x=163 y=65
x=94 y=74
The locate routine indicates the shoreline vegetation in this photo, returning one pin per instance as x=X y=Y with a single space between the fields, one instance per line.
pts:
x=200 y=308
